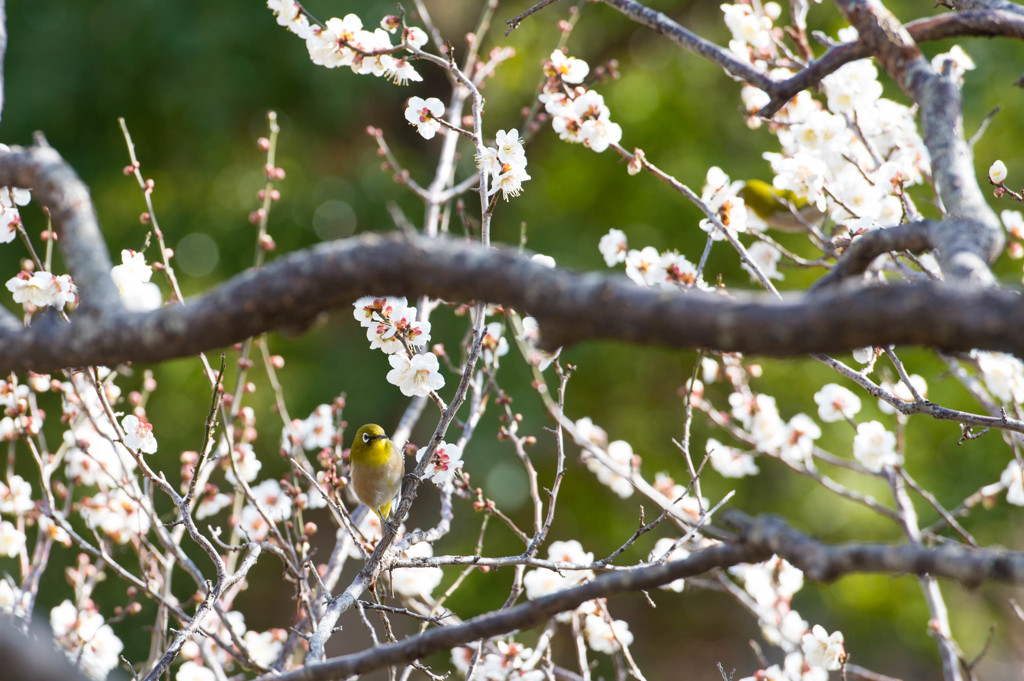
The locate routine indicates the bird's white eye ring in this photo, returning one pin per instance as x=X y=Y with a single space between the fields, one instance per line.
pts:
x=366 y=437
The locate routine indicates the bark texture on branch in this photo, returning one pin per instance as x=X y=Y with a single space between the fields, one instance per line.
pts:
x=293 y=290
x=758 y=539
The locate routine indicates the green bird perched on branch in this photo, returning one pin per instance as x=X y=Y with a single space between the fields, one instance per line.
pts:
x=779 y=208
x=377 y=469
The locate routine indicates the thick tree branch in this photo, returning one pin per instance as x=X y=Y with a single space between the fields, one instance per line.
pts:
x=292 y=291
x=759 y=538
x=987 y=23
x=915 y=237
x=823 y=563
x=974 y=238
x=56 y=185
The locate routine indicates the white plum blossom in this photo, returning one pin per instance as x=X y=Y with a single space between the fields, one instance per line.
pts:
x=494 y=343
x=863 y=355
x=902 y=392
x=730 y=462
x=531 y=336
x=505 y=164
x=875 y=447
x=121 y=515
x=570 y=69
x=92 y=458
x=9 y=597
x=604 y=636
x=782 y=626
x=853 y=88
x=10 y=221
x=390 y=323
x=132 y=278
x=42 y=289
x=1003 y=375
x=802 y=174
x=822 y=649
x=418 y=375
x=581 y=116
x=415 y=37
x=446 y=458
x=665 y=549
x=621 y=455
x=958 y=62
x=836 y=403
x=193 y=671
x=588 y=430
x=138 y=434
x=265 y=647
x=388 y=335
x=1013 y=220
x=330 y=47
x=16 y=496
x=272 y=499
x=767 y=428
x=770 y=582
x=425 y=114
x=643 y=266
x=318 y=429
x=417 y=582
x=212 y=504
x=85 y=639
x=290 y=16
x=12 y=540
x=48 y=527
x=613 y=247
x=681 y=499
x=246 y=462
x=676 y=270
x=541 y=581
x=747 y=26
x=798 y=442
x=1012 y=479
x=370 y=310
x=766 y=258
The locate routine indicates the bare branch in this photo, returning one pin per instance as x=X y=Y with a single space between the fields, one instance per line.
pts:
x=759 y=539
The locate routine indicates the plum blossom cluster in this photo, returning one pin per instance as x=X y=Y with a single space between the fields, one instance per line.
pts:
x=504 y=164
x=392 y=327
x=317 y=431
x=10 y=199
x=851 y=156
x=85 y=638
x=647 y=266
x=603 y=633
x=40 y=289
x=810 y=653
x=344 y=42
x=132 y=278
x=443 y=463
x=754 y=419
x=501 y=661
x=578 y=115
x=618 y=458
x=264 y=648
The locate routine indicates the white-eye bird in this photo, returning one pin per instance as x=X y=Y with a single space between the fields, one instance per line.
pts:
x=775 y=207
x=377 y=469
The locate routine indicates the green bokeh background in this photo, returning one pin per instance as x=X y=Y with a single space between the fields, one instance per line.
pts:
x=194 y=81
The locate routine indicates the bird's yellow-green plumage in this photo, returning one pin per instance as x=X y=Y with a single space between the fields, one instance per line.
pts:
x=773 y=206
x=377 y=469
